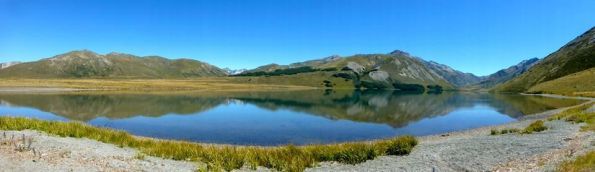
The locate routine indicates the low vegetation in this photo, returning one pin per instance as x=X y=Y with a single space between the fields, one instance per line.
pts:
x=583 y=163
x=504 y=131
x=221 y=157
x=409 y=87
x=537 y=126
x=20 y=144
x=578 y=115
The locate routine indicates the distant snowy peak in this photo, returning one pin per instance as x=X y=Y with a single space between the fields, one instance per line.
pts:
x=8 y=64
x=234 y=71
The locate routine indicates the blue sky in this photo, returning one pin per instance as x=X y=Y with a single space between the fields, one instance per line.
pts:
x=474 y=36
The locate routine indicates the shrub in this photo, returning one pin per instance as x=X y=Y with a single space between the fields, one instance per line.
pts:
x=409 y=87
x=327 y=83
x=536 y=126
x=344 y=75
x=401 y=146
x=494 y=132
x=434 y=88
x=373 y=85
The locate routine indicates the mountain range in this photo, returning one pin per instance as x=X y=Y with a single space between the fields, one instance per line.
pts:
x=88 y=64
x=504 y=75
x=368 y=70
x=428 y=72
x=394 y=70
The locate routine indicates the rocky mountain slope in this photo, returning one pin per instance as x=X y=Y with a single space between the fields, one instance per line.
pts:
x=576 y=56
x=88 y=64
x=409 y=72
x=505 y=74
x=378 y=71
x=453 y=76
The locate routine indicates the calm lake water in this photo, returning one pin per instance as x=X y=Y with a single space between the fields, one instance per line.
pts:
x=275 y=118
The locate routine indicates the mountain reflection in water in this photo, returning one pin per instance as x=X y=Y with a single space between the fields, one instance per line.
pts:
x=272 y=118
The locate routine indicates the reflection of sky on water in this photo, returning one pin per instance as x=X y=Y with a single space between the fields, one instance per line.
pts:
x=266 y=120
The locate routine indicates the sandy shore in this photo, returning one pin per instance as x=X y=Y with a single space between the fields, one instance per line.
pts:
x=470 y=150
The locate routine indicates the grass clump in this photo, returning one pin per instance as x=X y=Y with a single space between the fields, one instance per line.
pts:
x=140 y=156
x=220 y=157
x=585 y=163
x=537 y=126
x=504 y=131
x=578 y=115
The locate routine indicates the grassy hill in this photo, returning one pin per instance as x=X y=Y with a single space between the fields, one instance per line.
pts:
x=576 y=56
x=87 y=64
x=577 y=84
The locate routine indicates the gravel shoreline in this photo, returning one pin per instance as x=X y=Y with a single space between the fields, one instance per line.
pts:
x=477 y=150
x=469 y=150
x=73 y=154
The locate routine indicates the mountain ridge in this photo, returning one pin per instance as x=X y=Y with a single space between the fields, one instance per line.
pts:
x=440 y=74
x=88 y=64
x=504 y=75
x=575 y=56
x=380 y=70
x=395 y=70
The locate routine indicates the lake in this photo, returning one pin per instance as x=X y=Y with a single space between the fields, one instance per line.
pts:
x=279 y=117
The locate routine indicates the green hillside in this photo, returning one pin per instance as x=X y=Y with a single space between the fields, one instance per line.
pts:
x=87 y=64
x=577 y=55
x=577 y=84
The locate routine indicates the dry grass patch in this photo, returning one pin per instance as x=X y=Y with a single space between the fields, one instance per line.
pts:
x=210 y=84
x=585 y=163
x=576 y=84
x=537 y=126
